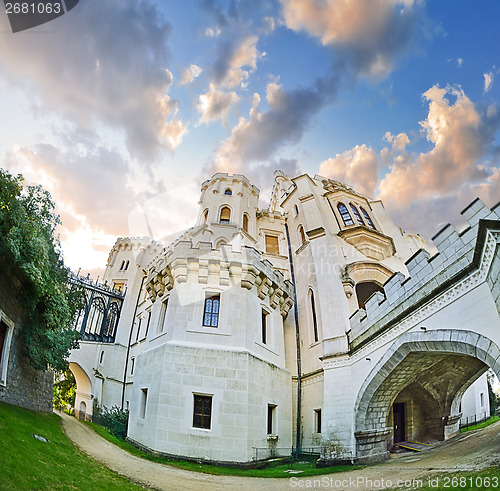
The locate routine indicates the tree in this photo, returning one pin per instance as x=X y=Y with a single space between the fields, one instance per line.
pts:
x=30 y=257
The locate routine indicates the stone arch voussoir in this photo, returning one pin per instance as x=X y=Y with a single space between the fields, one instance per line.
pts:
x=440 y=340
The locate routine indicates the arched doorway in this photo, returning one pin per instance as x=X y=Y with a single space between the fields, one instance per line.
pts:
x=83 y=399
x=414 y=391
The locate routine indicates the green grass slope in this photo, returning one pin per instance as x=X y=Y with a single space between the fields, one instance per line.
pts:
x=28 y=463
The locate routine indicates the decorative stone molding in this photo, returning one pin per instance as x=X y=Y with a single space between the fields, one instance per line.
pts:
x=184 y=263
x=371 y=243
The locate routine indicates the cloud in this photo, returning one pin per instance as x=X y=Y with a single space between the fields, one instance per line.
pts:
x=357 y=167
x=215 y=104
x=488 y=81
x=236 y=60
x=460 y=62
x=212 y=33
x=189 y=74
x=366 y=34
x=92 y=184
x=259 y=136
x=105 y=63
x=420 y=189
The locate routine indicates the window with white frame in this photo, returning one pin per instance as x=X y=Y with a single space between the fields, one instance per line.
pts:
x=202 y=411
x=6 y=329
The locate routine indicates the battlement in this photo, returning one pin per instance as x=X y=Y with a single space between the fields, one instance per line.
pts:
x=182 y=262
x=427 y=274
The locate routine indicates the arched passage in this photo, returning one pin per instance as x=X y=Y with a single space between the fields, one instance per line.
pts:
x=83 y=399
x=423 y=375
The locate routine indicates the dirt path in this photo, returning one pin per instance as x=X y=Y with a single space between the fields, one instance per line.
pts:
x=473 y=450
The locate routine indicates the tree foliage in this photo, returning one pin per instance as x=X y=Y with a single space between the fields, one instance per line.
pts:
x=30 y=257
x=64 y=390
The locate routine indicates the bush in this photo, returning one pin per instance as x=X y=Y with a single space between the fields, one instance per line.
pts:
x=115 y=420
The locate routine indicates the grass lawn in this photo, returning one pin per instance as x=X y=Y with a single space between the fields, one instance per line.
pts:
x=308 y=469
x=488 y=422
x=27 y=463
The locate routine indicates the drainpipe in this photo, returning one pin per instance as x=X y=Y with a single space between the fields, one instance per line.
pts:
x=130 y=338
x=297 y=338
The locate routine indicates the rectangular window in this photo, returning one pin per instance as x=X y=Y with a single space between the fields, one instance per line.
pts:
x=119 y=286
x=211 y=311
x=317 y=420
x=132 y=364
x=272 y=244
x=481 y=397
x=147 y=325
x=264 y=327
x=271 y=414
x=163 y=312
x=202 y=411
x=144 y=402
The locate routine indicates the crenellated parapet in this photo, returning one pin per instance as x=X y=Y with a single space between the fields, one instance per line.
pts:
x=461 y=262
x=136 y=245
x=245 y=268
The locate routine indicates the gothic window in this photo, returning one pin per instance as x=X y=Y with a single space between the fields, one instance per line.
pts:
x=205 y=217
x=202 y=411
x=225 y=214
x=211 y=311
x=367 y=218
x=245 y=222
x=272 y=244
x=111 y=320
x=95 y=318
x=344 y=213
x=138 y=328
x=314 y=318
x=302 y=235
x=147 y=325
x=123 y=265
x=220 y=243
x=356 y=214
x=228 y=192
x=126 y=266
x=296 y=209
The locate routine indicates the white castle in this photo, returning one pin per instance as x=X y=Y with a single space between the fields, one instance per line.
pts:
x=315 y=323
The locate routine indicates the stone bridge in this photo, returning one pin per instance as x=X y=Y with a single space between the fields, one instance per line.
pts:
x=418 y=346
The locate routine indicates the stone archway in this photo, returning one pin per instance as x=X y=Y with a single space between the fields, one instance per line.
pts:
x=427 y=371
x=83 y=399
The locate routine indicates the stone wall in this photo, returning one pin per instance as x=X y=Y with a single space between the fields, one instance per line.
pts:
x=23 y=385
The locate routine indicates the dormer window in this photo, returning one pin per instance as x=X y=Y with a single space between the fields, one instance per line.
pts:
x=344 y=213
x=225 y=214
x=367 y=218
x=357 y=215
x=228 y=192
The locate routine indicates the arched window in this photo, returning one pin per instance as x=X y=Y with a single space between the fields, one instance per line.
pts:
x=302 y=235
x=127 y=265
x=228 y=192
x=123 y=264
x=296 y=209
x=356 y=214
x=220 y=243
x=367 y=218
x=344 y=213
x=365 y=290
x=225 y=214
x=314 y=318
x=205 y=216
x=245 y=222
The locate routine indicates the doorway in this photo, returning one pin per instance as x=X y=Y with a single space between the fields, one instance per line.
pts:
x=398 y=410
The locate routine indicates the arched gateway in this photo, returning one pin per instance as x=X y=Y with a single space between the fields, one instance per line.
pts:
x=415 y=389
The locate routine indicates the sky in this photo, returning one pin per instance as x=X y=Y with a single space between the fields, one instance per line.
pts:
x=122 y=108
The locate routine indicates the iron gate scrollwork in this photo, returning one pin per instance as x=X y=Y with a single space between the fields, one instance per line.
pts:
x=98 y=319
